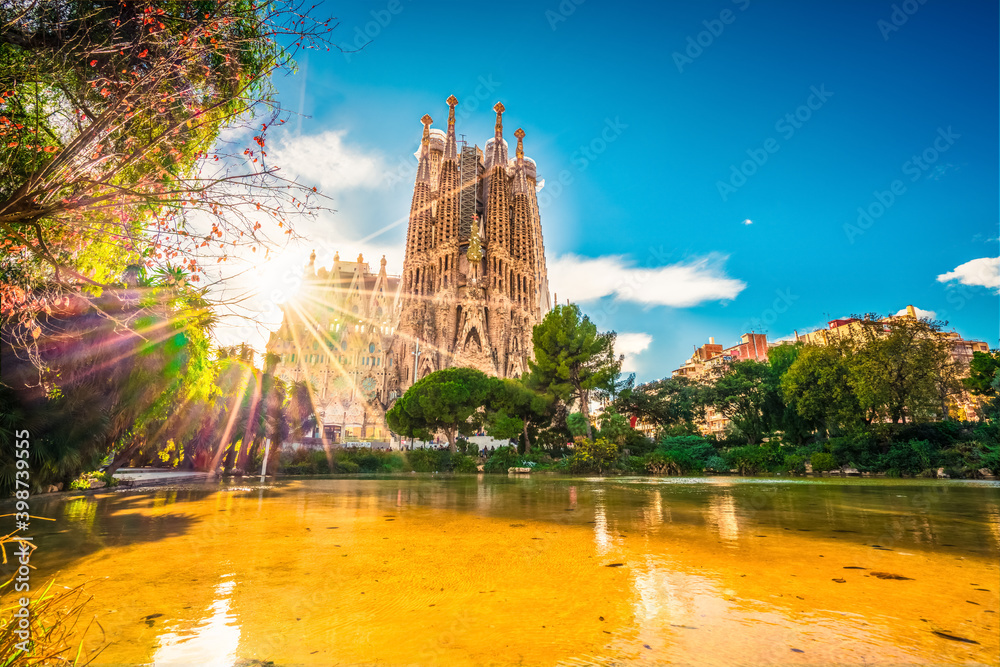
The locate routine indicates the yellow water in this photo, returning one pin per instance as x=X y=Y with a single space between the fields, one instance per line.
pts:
x=542 y=570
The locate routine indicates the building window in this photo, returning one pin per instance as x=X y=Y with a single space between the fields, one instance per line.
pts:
x=371 y=347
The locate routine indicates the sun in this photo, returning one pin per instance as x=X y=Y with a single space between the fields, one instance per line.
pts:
x=277 y=278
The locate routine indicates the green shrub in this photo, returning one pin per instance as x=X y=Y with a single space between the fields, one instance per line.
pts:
x=501 y=459
x=82 y=483
x=637 y=444
x=464 y=463
x=630 y=465
x=716 y=463
x=753 y=459
x=465 y=447
x=990 y=459
x=538 y=457
x=822 y=461
x=795 y=463
x=940 y=434
x=596 y=456
x=661 y=464
x=320 y=462
x=394 y=462
x=987 y=432
x=303 y=461
x=689 y=452
x=860 y=450
x=346 y=466
x=908 y=458
x=367 y=461
x=430 y=460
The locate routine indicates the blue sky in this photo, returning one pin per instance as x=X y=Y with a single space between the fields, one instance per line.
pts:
x=661 y=130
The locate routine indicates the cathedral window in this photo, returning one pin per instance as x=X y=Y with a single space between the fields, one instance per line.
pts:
x=371 y=347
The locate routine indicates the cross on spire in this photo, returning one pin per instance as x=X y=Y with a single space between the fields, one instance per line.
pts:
x=519 y=133
x=499 y=108
x=449 y=144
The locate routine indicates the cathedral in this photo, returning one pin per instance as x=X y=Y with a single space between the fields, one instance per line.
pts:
x=473 y=285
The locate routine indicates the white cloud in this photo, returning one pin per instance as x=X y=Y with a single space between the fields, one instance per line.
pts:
x=984 y=272
x=677 y=285
x=748 y=221
x=631 y=345
x=327 y=161
x=921 y=314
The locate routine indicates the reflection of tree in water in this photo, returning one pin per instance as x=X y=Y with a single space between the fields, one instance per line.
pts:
x=89 y=523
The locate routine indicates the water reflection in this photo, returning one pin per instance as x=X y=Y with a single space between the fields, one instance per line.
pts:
x=722 y=512
x=602 y=536
x=438 y=570
x=212 y=641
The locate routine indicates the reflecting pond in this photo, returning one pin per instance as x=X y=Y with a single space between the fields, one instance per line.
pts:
x=537 y=570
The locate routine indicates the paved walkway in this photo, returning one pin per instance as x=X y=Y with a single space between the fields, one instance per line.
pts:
x=157 y=475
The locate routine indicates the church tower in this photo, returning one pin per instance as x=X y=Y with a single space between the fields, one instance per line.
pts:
x=474 y=280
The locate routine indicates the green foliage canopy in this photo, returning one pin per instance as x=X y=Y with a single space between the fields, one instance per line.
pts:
x=571 y=358
x=447 y=400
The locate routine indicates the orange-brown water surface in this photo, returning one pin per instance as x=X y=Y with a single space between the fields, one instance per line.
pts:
x=437 y=570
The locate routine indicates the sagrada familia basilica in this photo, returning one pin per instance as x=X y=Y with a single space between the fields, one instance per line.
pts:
x=473 y=285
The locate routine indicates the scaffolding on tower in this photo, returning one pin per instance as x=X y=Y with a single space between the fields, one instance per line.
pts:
x=468 y=173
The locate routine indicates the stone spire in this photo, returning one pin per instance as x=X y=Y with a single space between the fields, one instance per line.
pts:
x=449 y=142
x=499 y=155
x=424 y=170
x=498 y=128
x=521 y=223
x=498 y=203
x=419 y=234
x=448 y=189
x=520 y=181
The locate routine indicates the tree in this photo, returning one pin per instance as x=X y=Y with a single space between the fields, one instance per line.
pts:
x=572 y=358
x=817 y=386
x=299 y=409
x=782 y=415
x=515 y=408
x=449 y=400
x=662 y=403
x=896 y=366
x=983 y=372
x=113 y=383
x=984 y=380
x=111 y=116
x=741 y=395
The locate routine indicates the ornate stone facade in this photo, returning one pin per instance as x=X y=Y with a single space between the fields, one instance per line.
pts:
x=336 y=334
x=474 y=280
x=473 y=286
